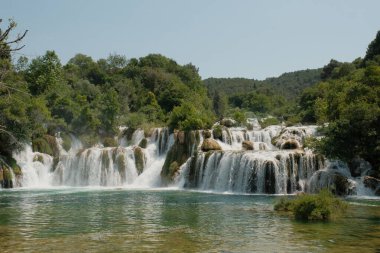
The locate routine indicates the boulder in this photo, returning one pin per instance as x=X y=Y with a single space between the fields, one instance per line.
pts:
x=359 y=167
x=336 y=182
x=181 y=137
x=372 y=183
x=210 y=144
x=290 y=144
x=247 y=145
x=228 y=122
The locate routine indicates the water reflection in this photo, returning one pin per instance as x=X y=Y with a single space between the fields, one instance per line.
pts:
x=175 y=221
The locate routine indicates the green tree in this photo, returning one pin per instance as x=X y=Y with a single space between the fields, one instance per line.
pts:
x=373 y=48
x=43 y=73
x=109 y=110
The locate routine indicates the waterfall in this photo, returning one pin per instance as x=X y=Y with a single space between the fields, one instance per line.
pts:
x=121 y=166
x=272 y=172
x=36 y=168
x=232 y=138
x=271 y=160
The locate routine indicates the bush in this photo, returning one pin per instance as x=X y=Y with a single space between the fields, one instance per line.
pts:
x=269 y=122
x=218 y=132
x=109 y=142
x=323 y=206
x=190 y=117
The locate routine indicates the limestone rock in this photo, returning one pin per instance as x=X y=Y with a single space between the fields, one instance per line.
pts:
x=290 y=144
x=247 y=145
x=139 y=159
x=210 y=144
x=228 y=122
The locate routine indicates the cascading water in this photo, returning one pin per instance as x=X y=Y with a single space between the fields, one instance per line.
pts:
x=276 y=163
x=250 y=171
x=270 y=160
x=98 y=166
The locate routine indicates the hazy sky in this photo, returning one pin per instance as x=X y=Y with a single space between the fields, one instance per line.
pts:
x=224 y=38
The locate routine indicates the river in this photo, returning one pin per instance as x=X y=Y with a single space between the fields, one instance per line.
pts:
x=69 y=219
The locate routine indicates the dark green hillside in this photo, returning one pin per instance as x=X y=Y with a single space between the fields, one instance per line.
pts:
x=290 y=85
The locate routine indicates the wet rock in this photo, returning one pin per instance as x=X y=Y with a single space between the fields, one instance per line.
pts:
x=228 y=122
x=358 y=167
x=185 y=145
x=143 y=143
x=247 y=145
x=373 y=184
x=218 y=132
x=181 y=137
x=373 y=173
x=46 y=144
x=139 y=159
x=290 y=144
x=210 y=144
x=338 y=183
x=6 y=180
x=293 y=137
x=270 y=178
x=38 y=158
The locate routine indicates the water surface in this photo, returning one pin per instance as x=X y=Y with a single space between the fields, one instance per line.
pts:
x=120 y=220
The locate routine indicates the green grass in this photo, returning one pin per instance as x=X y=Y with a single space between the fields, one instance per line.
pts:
x=321 y=206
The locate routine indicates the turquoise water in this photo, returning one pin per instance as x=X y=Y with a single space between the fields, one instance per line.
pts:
x=120 y=220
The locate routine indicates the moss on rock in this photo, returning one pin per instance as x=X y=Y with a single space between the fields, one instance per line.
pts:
x=109 y=142
x=46 y=144
x=66 y=141
x=218 y=132
x=139 y=159
x=185 y=145
x=143 y=143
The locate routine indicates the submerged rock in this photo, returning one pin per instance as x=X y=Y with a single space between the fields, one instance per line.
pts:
x=210 y=144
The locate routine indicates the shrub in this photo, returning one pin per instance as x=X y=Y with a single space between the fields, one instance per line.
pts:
x=269 y=122
x=109 y=142
x=218 y=132
x=323 y=206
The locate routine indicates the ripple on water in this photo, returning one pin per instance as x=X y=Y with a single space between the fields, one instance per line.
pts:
x=108 y=220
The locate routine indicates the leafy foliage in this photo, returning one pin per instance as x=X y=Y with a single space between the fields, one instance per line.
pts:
x=349 y=101
x=323 y=206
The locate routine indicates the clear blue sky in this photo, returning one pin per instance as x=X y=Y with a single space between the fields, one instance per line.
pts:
x=224 y=38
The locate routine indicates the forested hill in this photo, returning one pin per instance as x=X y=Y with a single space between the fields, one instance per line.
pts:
x=290 y=85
